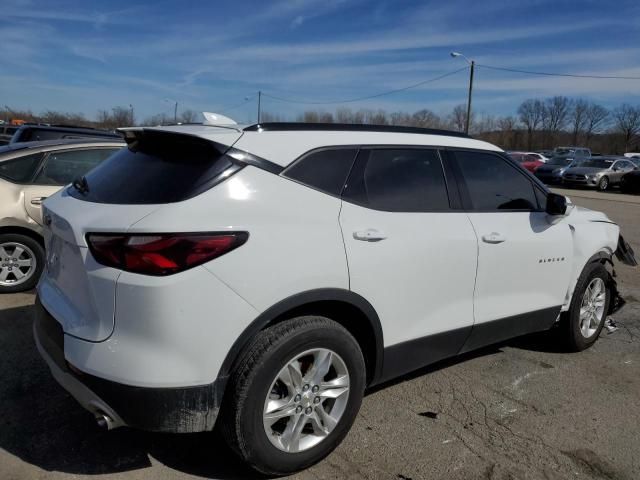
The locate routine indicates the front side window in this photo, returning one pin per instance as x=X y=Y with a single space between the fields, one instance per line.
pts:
x=493 y=184
x=399 y=180
x=63 y=167
x=20 y=170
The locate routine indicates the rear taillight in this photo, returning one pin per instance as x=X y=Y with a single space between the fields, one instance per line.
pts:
x=161 y=254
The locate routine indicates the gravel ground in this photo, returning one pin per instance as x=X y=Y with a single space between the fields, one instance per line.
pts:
x=521 y=410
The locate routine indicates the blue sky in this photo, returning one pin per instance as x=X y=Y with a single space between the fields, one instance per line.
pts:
x=82 y=56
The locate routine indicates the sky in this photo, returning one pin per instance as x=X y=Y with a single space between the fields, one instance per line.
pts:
x=83 y=56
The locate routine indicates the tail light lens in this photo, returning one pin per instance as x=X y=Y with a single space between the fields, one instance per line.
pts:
x=161 y=254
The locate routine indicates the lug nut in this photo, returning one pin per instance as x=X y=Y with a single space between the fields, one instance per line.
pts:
x=308 y=411
x=298 y=408
x=305 y=388
x=297 y=398
x=316 y=400
x=315 y=388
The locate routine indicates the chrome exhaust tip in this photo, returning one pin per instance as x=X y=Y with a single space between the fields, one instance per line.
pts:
x=104 y=421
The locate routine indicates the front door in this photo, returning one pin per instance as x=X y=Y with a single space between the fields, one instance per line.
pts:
x=524 y=255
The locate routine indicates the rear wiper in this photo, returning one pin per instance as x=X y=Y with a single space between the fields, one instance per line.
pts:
x=81 y=185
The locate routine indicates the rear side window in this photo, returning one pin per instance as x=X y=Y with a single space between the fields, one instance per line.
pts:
x=399 y=180
x=20 y=170
x=324 y=170
x=493 y=184
x=156 y=169
x=62 y=168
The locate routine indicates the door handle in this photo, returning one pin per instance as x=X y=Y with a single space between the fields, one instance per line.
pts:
x=493 y=237
x=369 y=235
x=38 y=200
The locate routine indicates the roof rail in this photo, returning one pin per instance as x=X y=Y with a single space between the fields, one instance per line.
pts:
x=346 y=127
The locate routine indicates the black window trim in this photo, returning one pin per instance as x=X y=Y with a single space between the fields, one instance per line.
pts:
x=464 y=192
x=368 y=148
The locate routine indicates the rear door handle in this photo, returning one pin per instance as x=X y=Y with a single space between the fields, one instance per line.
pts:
x=369 y=235
x=493 y=237
x=38 y=200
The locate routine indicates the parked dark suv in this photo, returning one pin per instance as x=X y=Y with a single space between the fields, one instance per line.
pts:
x=34 y=133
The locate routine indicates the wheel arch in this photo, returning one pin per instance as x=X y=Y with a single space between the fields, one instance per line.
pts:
x=27 y=232
x=347 y=308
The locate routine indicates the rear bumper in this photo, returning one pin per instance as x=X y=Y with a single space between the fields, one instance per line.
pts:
x=183 y=409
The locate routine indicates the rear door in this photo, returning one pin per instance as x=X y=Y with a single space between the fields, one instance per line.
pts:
x=410 y=253
x=60 y=168
x=524 y=256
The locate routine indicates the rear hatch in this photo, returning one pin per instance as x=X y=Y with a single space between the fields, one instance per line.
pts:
x=157 y=168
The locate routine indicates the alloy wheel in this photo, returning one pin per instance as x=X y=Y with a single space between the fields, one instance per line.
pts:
x=592 y=307
x=306 y=400
x=17 y=264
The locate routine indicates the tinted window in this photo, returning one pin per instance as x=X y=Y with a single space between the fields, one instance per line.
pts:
x=61 y=168
x=493 y=184
x=157 y=169
x=597 y=163
x=325 y=170
x=20 y=169
x=399 y=180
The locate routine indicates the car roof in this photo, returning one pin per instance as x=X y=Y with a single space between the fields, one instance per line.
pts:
x=282 y=143
x=44 y=145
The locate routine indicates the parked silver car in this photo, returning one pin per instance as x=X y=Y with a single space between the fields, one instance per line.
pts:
x=598 y=172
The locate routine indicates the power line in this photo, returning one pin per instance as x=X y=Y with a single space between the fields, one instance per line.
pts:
x=233 y=107
x=358 y=99
x=549 y=74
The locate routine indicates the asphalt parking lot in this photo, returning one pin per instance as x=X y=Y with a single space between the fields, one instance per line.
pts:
x=523 y=410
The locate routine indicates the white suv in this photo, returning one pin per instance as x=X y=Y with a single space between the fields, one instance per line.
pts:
x=261 y=277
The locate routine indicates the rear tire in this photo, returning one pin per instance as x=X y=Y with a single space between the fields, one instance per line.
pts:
x=265 y=385
x=588 y=310
x=21 y=262
x=603 y=184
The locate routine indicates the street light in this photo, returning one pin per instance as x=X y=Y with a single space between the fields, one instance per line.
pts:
x=472 y=63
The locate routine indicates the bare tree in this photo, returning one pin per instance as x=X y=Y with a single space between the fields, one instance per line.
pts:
x=158 y=119
x=426 y=119
x=626 y=120
x=458 y=118
x=596 y=119
x=344 y=115
x=189 y=116
x=578 y=118
x=556 y=111
x=531 y=113
x=401 y=118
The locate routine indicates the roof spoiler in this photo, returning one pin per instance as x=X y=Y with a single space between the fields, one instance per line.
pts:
x=216 y=119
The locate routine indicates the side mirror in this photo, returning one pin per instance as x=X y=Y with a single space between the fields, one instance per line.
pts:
x=556 y=204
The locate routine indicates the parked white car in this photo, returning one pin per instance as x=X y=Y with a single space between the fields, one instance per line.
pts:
x=264 y=276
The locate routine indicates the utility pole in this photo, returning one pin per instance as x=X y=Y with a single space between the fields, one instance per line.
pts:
x=131 y=114
x=259 y=102
x=466 y=127
x=472 y=64
x=175 y=113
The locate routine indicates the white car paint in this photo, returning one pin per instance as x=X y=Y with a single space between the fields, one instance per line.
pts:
x=430 y=274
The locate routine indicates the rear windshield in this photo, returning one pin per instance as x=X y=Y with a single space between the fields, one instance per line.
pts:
x=156 y=169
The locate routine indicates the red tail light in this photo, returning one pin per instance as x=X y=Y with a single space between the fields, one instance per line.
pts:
x=161 y=254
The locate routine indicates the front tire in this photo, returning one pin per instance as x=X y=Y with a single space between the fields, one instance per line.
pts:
x=589 y=307
x=21 y=262
x=603 y=184
x=294 y=395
